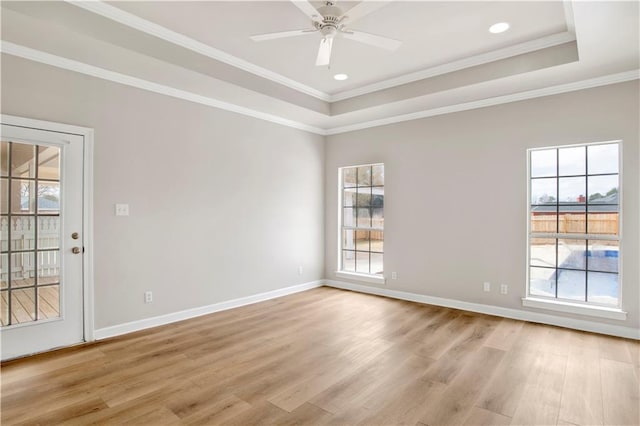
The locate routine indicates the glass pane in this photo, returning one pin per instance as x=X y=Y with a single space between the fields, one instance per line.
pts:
x=362 y=240
x=544 y=219
x=349 y=176
x=572 y=220
x=362 y=262
x=364 y=217
x=22 y=269
x=48 y=267
x=602 y=158
x=603 y=222
x=4 y=196
x=603 y=256
x=542 y=281
x=4 y=158
x=377 y=241
x=364 y=197
x=543 y=163
x=349 y=261
x=364 y=176
x=23 y=160
x=23 y=196
x=376 y=263
x=542 y=252
x=48 y=302
x=378 y=218
x=49 y=198
x=4 y=270
x=602 y=288
x=48 y=232
x=349 y=216
x=349 y=197
x=603 y=189
x=572 y=254
x=49 y=162
x=22 y=233
x=544 y=191
x=378 y=175
x=572 y=285
x=572 y=190
x=572 y=161
x=377 y=196
x=23 y=305
x=4 y=308
x=348 y=239
x=4 y=233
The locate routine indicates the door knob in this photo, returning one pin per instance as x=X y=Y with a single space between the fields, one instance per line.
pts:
x=75 y=235
x=75 y=250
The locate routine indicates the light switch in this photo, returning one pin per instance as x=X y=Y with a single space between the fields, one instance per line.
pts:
x=122 y=209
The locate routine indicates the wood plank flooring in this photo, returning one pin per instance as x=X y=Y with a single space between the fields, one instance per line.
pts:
x=332 y=357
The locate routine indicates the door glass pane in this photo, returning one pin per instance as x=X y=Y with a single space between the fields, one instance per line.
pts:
x=48 y=267
x=22 y=232
x=4 y=308
x=22 y=269
x=4 y=158
x=23 y=305
x=23 y=196
x=49 y=302
x=49 y=198
x=48 y=232
x=4 y=270
x=23 y=160
x=4 y=196
x=602 y=158
x=48 y=162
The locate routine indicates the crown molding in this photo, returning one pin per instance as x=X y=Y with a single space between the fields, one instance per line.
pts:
x=125 y=18
x=482 y=103
x=91 y=70
x=484 y=58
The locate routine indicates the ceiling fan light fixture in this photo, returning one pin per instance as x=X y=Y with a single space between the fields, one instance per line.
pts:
x=340 y=77
x=498 y=28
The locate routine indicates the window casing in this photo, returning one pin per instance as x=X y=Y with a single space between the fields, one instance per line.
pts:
x=574 y=224
x=362 y=219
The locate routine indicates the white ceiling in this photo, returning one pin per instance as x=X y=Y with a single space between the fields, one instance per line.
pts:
x=433 y=33
x=201 y=52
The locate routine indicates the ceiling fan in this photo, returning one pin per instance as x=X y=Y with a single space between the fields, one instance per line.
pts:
x=330 y=21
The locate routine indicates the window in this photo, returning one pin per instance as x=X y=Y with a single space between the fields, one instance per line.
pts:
x=362 y=219
x=574 y=224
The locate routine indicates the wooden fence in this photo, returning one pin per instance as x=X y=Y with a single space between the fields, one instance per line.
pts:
x=599 y=223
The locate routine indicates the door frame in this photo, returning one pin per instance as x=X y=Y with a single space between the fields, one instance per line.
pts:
x=87 y=209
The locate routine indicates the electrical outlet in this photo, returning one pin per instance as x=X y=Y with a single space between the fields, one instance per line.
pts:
x=148 y=297
x=122 y=209
x=300 y=270
x=394 y=275
x=486 y=286
x=504 y=289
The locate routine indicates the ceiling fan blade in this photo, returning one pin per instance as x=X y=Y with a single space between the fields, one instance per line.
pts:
x=324 y=52
x=282 y=34
x=308 y=9
x=363 y=8
x=372 y=39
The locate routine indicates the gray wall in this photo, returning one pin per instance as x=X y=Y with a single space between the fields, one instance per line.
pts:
x=222 y=205
x=455 y=201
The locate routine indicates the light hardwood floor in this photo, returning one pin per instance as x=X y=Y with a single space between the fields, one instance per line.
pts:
x=332 y=357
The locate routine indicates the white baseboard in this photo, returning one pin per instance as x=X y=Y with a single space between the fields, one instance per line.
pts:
x=577 y=324
x=130 y=327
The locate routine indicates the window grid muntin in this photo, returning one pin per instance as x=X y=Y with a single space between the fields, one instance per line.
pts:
x=586 y=236
x=353 y=208
x=36 y=250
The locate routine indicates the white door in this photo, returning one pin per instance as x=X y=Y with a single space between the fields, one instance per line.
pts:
x=41 y=288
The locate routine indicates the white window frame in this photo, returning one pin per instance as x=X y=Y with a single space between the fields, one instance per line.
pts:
x=358 y=276
x=571 y=306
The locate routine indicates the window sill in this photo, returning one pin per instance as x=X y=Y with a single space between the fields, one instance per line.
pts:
x=376 y=279
x=575 y=308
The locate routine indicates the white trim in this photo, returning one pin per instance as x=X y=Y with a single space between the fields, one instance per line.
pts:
x=577 y=324
x=87 y=214
x=375 y=279
x=498 y=100
x=574 y=308
x=472 y=61
x=148 y=27
x=72 y=65
x=130 y=327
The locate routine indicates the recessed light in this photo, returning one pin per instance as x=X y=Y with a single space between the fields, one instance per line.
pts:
x=498 y=28
x=341 y=77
